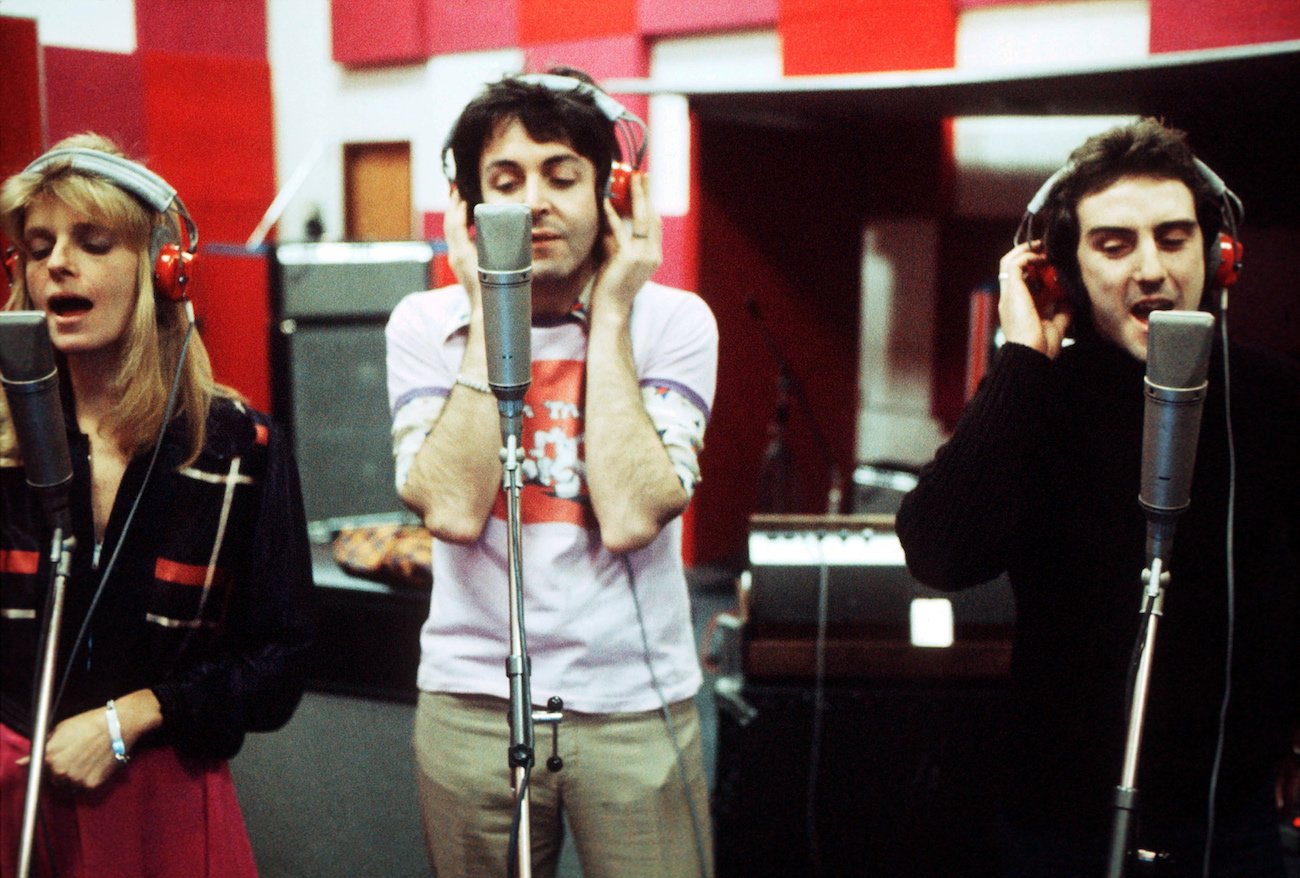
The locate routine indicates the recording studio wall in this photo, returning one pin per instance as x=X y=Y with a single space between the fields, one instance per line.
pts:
x=781 y=217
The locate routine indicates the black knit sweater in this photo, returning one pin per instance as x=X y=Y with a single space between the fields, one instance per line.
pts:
x=1040 y=480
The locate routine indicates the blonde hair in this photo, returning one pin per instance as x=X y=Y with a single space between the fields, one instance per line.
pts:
x=155 y=334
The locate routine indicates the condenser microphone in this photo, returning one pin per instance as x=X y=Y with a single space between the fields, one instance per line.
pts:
x=31 y=385
x=505 y=273
x=1178 y=357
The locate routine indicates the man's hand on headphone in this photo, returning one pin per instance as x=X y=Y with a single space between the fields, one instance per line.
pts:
x=1039 y=323
x=633 y=248
x=462 y=255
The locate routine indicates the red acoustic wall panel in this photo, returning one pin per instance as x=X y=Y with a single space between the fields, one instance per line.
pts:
x=1179 y=25
x=20 y=135
x=216 y=147
x=865 y=36
x=621 y=56
x=105 y=98
x=682 y=17
x=558 y=21
x=232 y=28
x=457 y=26
x=678 y=267
x=376 y=32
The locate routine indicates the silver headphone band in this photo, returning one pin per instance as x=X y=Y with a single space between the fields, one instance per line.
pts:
x=132 y=177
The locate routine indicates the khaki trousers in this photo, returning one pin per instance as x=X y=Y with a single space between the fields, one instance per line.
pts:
x=620 y=789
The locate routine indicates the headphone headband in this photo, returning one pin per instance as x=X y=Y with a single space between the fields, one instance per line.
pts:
x=612 y=109
x=1230 y=203
x=172 y=254
x=127 y=175
x=1223 y=256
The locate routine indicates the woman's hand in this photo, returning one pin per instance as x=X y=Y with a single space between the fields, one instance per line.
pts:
x=79 y=753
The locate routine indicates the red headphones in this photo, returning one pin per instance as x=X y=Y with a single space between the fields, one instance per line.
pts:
x=11 y=264
x=171 y=247
x=1226 y=259
x=629 y=131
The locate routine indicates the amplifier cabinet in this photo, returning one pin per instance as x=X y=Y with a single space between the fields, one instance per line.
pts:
x=906 y=780
x=332 y=302
x=841 y=583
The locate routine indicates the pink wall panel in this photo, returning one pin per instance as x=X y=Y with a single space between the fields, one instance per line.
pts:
x=976 y=4
x=864 y=36
x=234 y=28
x=678 y=268
x=431 y=225
x=457 y=26
x=105 y=98
x=665 y=17
x=556 y=21
x=217 y=148
x=620 y=57
x=374 y=32
x=1178 y=25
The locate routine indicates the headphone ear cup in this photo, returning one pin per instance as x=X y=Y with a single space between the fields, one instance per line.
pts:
x=171 y=272
x=1230 y=256
x=1044 y=283
x=619 y=188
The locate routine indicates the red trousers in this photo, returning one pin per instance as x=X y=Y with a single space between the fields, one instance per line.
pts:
x=162 y=816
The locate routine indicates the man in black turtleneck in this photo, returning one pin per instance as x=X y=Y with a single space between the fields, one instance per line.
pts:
x=1040 y=480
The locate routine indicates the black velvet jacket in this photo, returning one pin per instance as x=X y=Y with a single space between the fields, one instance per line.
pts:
x=1040 y=479
x=207 y=603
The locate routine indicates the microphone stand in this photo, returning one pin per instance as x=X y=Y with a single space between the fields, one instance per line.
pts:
x=521 y=715
x=61 y=549
x=778 y=456
x=1154 y=578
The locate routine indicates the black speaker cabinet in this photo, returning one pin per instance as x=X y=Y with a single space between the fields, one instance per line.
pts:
x=905 y=780
x=332 y=302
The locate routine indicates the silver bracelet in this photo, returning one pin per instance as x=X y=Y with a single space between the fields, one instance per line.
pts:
x=472 y=384
x=115 y=733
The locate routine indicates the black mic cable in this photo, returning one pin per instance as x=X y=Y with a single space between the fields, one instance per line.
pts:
x=1231 y=595
x=135 y=505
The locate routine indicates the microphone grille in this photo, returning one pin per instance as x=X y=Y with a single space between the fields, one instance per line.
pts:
x=1178 y=347
x=504 y=239
x=25 y=350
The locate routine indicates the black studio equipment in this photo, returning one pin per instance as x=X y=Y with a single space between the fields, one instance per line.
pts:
x=331 y=302
x=874 y=698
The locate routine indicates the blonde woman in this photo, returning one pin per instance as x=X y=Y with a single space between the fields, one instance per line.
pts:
x=185 y=624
